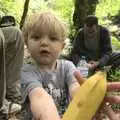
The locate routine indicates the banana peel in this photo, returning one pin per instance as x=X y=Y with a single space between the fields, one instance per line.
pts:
x=88 y=98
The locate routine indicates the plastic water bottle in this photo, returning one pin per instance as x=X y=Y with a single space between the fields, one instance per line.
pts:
x=83 y=67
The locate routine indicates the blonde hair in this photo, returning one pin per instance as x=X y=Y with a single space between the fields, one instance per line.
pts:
x=45 y=23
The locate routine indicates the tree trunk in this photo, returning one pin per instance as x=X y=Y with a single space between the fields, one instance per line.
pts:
x=25 y=11
x=82 y=9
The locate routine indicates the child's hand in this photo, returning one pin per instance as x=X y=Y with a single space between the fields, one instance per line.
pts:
x=79 y=77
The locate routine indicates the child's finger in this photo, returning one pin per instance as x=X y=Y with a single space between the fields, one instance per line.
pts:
x=112 y=86
x=111 y=114
x=113 y=99
x=79 y=77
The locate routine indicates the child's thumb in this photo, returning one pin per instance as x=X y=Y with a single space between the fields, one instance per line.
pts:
x=79 y=77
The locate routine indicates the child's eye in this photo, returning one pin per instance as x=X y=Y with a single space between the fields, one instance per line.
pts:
x=35 y=37
x=53 y=38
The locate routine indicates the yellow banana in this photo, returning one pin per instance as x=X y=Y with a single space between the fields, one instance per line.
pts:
x=88 y=98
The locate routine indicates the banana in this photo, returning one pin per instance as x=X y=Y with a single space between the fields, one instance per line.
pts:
x=88 y=98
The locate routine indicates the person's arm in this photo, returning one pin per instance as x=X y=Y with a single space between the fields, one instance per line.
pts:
x=93 y=64
x=70 y=79
x=73 y=88
x=106 y=47
x=106 y=50
x=42 y=105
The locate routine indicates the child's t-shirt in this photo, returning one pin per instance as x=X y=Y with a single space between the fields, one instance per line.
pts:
x=55 y=83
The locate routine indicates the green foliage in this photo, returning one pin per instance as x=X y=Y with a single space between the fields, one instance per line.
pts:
x=37 y=5
x=115 y=43
x=114 y=75
x=61 y=7
x=65 y=9
x=5 y=5
x=12 y=7
x=107 y=8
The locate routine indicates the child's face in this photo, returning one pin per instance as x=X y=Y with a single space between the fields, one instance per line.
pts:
x=45 y=49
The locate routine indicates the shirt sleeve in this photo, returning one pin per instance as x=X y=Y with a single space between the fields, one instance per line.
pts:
x=29 y=81
x=69 y=72
x=106 y=46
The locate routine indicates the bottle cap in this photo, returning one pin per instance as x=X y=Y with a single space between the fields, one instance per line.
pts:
x=83 y=57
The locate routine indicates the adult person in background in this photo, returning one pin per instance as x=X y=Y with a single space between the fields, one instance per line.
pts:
x=11 y=58
x=92 y=41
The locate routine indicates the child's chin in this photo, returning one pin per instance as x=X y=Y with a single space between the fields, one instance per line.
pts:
x=45 y=61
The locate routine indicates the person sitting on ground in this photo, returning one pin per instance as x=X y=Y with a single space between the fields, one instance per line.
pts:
x=92 y=41
x=11 y=52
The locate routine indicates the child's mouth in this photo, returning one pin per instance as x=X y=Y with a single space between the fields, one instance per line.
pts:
x=44 y=52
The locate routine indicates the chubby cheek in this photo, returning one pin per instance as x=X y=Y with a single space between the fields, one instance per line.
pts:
x=57 y=51
x=32 y=48
x=56 y=54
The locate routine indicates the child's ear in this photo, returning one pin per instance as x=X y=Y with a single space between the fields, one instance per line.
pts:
x=63 y=45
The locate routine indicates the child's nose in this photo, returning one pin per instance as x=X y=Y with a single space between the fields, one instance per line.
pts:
x=44 y=41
